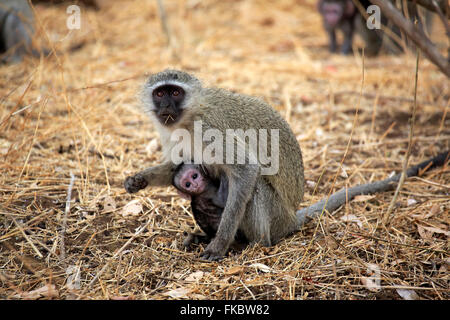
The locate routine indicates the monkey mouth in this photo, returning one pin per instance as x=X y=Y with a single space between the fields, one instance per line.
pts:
x=167 y=118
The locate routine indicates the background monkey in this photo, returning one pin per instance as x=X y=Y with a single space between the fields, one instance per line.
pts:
x=208 y=198
x=338 y=14
x=16 y=29
x=262 y=207
x=344 y=15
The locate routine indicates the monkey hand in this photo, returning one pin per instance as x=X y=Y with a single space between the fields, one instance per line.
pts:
x=214 y=251
x=194 y=238
x=135 y=183
x=184 y=195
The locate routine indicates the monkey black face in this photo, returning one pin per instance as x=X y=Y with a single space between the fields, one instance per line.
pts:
x=168 y=100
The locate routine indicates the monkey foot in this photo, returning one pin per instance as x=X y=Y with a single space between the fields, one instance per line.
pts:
x=194 y=238
x=135 y=183
x=211 y=254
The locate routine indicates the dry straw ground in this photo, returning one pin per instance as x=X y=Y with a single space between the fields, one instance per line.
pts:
x=78 y=114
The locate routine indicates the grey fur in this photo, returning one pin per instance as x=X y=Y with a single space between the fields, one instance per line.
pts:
x=262 y=207
x=16 y=30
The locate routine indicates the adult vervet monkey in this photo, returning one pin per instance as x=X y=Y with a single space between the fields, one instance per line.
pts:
x=262 y=207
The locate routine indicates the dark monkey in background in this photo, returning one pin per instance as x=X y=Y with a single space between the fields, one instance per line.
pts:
x=338 y=15
x=344 y=15
x=16 y=30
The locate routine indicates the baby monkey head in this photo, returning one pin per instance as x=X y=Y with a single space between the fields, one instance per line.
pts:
x=190 y=179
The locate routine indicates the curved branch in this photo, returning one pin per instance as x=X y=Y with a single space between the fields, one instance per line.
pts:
x=428 y=4
x=344 y=195
x=415 y=34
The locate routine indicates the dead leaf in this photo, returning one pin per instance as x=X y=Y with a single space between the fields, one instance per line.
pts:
x=122 y=298
x=397 y=262
x=234 y=270
x=178 y=293
x=363 y=198
x=352 y=218
x=47 y=291
x=435 y=210
x=427 y=232
x=443 y=269
x=132 y=208
x=73 y=277
x=372 y=283
x=424 y=234
x=438 y=230
x=330 y=242
x=310 y=184
x=109 y=204
x=177 y=275
x=407 y=294
x=195 y=276
x=261 y=267
x=343 y=173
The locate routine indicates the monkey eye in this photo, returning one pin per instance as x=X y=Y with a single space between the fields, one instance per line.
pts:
x=188 y=184
x=159 y=93
x=194 y=176
x=175 y=93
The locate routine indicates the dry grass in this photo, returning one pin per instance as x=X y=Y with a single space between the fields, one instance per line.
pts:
x=78 y=114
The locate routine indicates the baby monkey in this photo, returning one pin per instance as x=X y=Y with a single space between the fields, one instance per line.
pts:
x=208 y=198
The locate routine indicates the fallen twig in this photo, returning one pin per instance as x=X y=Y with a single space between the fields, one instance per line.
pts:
x=62 y=255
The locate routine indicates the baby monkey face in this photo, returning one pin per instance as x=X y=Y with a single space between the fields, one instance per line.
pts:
x=191 y=181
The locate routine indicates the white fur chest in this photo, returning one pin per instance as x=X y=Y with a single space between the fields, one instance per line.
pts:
x=177 y=144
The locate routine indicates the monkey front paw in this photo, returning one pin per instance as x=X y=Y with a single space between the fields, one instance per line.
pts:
x=212 y=254
x=135 y=183
x=194 y=238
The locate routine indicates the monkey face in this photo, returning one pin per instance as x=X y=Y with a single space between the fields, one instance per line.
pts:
x=168 y=100
x=332 y=12
x=190 y=181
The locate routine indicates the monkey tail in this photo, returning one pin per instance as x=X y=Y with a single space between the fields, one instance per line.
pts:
x=342 y=196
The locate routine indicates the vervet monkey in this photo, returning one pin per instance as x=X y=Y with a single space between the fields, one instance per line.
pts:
x=338 y=15
x=262 y=207
x=16 y=30
x=256 y=208
x=346 y=16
